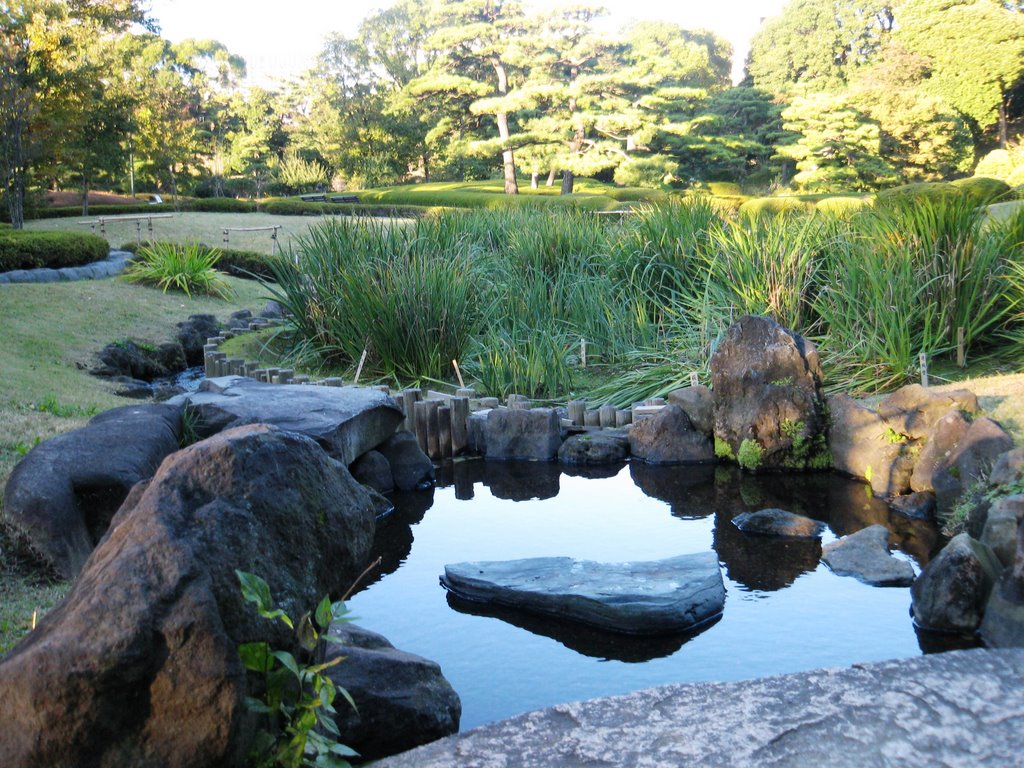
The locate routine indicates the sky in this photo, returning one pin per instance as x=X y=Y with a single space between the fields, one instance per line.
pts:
x=280 y=39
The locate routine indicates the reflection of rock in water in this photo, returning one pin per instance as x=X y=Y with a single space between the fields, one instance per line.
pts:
x=760 y=562
x=588 y=641
x=852 y=506
x=687 y=488
x=920 y=539
x=593 y=472
x=392 y=541
x=940 y=642
x=521 y=480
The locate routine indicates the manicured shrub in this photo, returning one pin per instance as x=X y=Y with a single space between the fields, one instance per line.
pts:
x=774 y=206
x=841 y=206
x=71 y=211
x=921 y=191
x=982 y=190
x=21 y=249
x=724 y=189
x=222 y=205
x=188 y=268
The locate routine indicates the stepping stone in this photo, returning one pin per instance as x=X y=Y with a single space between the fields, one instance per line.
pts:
x=865 y=556
x=779 y=522
x=661 y=596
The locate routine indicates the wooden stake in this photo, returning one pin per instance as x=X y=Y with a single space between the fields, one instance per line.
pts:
x=923 y=358
x=583 y=352
x=961 y=352
x=458 y=374
x=694 y=379
x=34 y=619
x=359 y=368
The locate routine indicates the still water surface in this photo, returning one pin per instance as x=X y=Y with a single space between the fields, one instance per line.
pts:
x=784 y=612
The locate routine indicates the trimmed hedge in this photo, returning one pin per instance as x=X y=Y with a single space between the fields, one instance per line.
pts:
x=71 y=211
x=220 y=205
x=982 y=190
x=774 y=206
x=842 y=206
x=924 y=190
x=240 y=263
x=300 y=208
x=32 y=250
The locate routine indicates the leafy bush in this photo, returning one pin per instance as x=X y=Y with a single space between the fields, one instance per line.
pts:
x=725 y=189
x=71 y=211
x=982 y=190
x=655 y=171
x=237 y=262
x=930 y=191
x=841 y=206
x=221 y=205
x=188 y=268
x=774 y=206
x=20 y=249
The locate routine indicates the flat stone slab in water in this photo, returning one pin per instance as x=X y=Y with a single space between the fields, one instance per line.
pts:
x=865 y=556
x=346 y=421
x=963 y=708
x=661 y=596
x=778 y=522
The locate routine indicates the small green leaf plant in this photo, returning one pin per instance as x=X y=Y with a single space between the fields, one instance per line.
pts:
x=298 y=699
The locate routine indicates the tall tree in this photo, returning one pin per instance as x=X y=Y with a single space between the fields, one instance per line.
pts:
x=814 y=45
x=976 y=54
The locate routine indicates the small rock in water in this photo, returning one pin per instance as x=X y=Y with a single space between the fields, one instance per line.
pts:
x=778 y=522
x=865 y=556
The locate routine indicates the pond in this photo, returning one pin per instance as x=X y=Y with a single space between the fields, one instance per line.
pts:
x=785 y=611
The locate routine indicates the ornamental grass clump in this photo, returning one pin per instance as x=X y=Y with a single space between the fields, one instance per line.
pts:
x=189 y=268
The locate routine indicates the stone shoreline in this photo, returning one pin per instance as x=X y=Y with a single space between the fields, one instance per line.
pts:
x=114 y=264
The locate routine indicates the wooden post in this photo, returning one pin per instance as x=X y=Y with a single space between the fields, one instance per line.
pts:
x=583 y=353
x=458 y=374
x=433 y=430
x=606 y=415
x=270 y=374
x=591 y=418
x=961 y=350
x=623 y=417
x=519 y=403
x=420 y=420
x=576 y=410
x=444 y=431
x=409 y=399
x=468 y=392
x=460 y=425
x=359 y=368
x=694 y=379
x=924 y=369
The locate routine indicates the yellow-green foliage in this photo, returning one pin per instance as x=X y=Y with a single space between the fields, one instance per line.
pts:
x=983 y=190
x=724 y=189
x=773 y=206
x=925 y=190
x=723 y=450
x=842 y=206
x=750 y=454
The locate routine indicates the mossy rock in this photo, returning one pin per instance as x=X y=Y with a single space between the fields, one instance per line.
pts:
x=983 y=190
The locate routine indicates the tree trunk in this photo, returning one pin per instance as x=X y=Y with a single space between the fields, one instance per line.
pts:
x=425 y=165
x=568 y=178
x=16 y=174
x=533 y=181
x=85 y=193
x=551 y=177
x=1003 y=133
x=508 y=161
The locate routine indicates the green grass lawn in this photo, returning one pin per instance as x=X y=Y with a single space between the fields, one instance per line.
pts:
x=50 y=339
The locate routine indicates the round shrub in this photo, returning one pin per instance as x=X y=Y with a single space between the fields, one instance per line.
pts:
x=724 y=189
x=774 y=206
x=982 y=190
x=842 y=206
x=20 y=249
x=924 y=190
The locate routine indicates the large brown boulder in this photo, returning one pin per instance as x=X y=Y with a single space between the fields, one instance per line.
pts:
x=139 y=664
x=62 y=495
x=669 y=437
x=913 y=410
x=769 y=407
x=863 y=444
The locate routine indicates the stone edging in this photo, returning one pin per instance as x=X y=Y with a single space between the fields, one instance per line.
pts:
x=114 y=264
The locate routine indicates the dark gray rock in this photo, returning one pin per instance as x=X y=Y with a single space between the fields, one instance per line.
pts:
x=661 y=596
x=410 y=466
x=951 y=592
x=668 y=437
x=192 y=335
x=134 y=388
x=1009 y=468
x=346 y=421
x=128 y=358
x=63 y=494
x=699 y=404
x=779 y=522
x=1003 y=625
x=916 y=506
x=913 y=410
x=593 y=450
x=533 y=434
x=953 y=709
x=865 y=556
x=372 y=469
x=272 y=310
x=767 y=389
x=1001 y=523
x=861 y=445
x=969 y=463
x=139 y=664
x=942 y=440
x=403 y=700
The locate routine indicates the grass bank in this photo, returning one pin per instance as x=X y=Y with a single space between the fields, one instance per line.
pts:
x=49 y=342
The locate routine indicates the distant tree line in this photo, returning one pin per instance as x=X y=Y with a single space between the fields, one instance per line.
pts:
x=839 y=95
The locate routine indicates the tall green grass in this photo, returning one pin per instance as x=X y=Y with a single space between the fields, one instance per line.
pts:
x=511 y=293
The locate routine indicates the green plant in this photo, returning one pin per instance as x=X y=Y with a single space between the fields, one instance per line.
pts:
x=723 y=450
x=21 y=249
x=188 y=268
x=750 y=454
x=893 y=437
x=50 y=404
x=299 y=698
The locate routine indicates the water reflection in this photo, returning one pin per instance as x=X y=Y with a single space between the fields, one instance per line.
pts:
x=689 y=490
x=589 y=641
